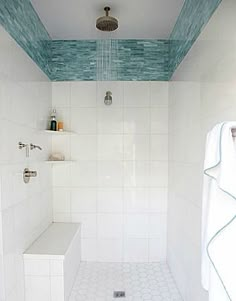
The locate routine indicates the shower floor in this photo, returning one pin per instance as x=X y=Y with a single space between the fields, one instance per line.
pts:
x=140 y=281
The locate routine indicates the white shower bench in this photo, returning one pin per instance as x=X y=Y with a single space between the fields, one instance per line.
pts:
x=51 y=263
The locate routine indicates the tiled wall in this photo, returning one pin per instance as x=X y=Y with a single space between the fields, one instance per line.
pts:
x=117 y=186
x=202 y=93
x=25 y=210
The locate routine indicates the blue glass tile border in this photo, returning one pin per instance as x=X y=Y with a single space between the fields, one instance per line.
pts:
x=20 y=20
x=65 y=60
x=193 y=17
x=134 y=60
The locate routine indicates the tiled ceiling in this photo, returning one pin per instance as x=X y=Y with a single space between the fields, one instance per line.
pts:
x=138 y=19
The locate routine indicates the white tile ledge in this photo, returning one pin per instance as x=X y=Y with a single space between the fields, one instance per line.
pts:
x=54 y=242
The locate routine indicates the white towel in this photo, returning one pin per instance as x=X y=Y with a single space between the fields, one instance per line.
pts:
x=219 y=214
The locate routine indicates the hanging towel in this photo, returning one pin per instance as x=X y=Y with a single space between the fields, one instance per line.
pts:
x=219 y=214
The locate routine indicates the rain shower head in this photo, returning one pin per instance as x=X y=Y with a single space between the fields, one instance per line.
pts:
x=107 y=23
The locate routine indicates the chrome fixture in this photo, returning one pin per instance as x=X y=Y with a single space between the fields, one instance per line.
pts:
x=33 y=146
x=108 y=98
x=27 y=174
x=24 y=145
x=107 y=23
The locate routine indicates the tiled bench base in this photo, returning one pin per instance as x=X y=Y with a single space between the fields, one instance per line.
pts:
x=52 y=262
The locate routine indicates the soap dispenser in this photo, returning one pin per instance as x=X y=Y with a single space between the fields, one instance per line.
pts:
x=53 y=126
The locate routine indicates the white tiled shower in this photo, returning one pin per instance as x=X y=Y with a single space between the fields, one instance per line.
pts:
x=125 y=137
x=117 y=183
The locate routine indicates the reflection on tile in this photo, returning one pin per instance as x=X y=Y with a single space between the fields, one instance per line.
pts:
x=136 y=121
x=136 y=147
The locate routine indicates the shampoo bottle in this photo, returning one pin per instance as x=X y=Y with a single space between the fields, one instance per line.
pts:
x=53 y=126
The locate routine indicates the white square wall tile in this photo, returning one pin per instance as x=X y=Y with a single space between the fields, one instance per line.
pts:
x=136 y=147
x=158 y=199
x=110 y=147
x=158 y=174
x=159 y=147
x=159 y=93
x=88 y=224
x=34 y=267
x=61 y=175
x=37 y=288
x=136 y=225
x=61 y=217
x=89 y=249
x=57 y=288
x=83 y=200
x=61 y=200
x=117 y=90
x=60 y=94
x=61 y=144
x=110 y=225
x=109 y=120
x=83 y=94
x=136 y=250
x=84 y=147
x=157 y=225
x=110 y=200
x=136 y=121
x=84 y=120
x=83 y=174
x=159 y=120
x=56 y=268
x=11 y=266
x=157 y=249
x=110 y=173
x=110 y=250
x=136 y=94
x=136 y=200
x=136 y=173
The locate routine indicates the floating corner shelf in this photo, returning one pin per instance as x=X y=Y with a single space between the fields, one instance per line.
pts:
x=59 y=133
x=59 y=162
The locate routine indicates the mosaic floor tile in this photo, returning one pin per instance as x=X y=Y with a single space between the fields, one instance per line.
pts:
x=140 y=281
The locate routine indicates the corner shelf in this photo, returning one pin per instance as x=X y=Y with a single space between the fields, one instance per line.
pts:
x=59 y=133
x=59 y=162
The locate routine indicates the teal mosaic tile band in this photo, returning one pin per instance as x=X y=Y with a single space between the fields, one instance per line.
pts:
x=194 y=15
x=94 y=60
x=129 y=60
x=20 y=20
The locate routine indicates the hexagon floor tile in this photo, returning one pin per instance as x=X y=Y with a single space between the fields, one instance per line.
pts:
x=140 y=281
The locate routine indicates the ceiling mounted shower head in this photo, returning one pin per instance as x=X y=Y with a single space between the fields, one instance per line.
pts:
x=107 y=23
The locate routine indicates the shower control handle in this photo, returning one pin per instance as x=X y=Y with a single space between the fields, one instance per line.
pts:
x=33 y=146
x=24 y=145
x=27 y=174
